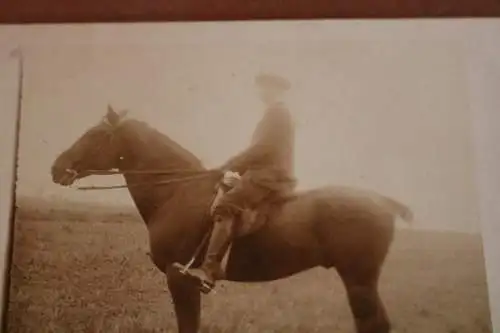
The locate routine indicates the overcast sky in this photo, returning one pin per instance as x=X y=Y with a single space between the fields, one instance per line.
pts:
x=388 y=114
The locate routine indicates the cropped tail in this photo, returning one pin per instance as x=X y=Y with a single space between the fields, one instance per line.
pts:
x=402 y=210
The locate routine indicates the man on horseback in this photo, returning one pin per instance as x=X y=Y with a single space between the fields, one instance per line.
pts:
x=266 y=170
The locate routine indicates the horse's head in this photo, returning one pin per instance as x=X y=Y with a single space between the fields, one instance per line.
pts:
x=96 y=149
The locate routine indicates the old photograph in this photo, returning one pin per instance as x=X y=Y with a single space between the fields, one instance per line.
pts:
x=245 y=177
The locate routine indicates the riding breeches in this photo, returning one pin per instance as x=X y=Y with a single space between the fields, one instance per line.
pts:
x=255 y=187
x=246 y=194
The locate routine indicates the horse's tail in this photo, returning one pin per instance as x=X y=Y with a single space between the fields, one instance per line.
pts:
x=402 y=210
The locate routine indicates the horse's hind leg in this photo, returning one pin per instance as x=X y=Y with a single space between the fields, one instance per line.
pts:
x=366 y=305
x=187 y=302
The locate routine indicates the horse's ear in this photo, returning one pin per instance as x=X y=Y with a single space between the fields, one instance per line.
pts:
x=112 y=117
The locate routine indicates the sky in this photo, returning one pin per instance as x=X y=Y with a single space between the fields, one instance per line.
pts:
x=386 y=114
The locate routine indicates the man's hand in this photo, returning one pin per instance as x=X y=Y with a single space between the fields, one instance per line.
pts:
x=231 y=179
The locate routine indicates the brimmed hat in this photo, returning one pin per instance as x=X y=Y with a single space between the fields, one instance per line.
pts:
x=272 y=81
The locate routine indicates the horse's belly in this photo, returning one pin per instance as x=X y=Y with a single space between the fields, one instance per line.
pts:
x=281 y=249
x=261 y=269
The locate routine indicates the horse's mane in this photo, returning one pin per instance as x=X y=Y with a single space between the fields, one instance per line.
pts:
x=157 y=141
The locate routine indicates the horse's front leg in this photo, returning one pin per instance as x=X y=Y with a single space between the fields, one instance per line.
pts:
x=187 y=302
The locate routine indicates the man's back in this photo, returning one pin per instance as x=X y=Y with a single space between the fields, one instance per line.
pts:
x=274 y=136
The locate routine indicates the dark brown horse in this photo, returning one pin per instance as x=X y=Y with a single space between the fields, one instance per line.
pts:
x=332 y=227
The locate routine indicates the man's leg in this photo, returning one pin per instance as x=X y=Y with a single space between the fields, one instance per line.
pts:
x=246 y=194
x=220 y=239
x=225 y=214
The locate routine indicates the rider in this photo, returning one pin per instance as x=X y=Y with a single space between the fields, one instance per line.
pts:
x=266 y=170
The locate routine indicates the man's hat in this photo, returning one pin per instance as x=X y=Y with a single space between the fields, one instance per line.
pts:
x=272 y=81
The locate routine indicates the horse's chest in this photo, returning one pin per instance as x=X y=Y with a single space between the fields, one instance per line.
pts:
x=172 y=235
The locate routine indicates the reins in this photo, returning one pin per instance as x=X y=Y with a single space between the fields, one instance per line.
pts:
x=194 y=174
x=145 y=172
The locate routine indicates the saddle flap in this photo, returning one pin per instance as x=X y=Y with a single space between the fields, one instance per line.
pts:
x=252 y=220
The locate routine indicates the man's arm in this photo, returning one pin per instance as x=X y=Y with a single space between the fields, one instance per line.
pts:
x=250 y=156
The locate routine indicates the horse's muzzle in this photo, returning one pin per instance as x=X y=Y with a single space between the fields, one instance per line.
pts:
x=63 y=176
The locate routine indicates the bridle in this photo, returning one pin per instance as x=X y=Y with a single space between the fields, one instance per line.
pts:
x=189 y=174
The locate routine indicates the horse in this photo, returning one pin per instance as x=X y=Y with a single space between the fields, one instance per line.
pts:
x=347 y=229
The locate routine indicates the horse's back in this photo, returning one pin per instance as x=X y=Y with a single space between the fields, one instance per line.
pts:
x=334 y=203
x=320 y=227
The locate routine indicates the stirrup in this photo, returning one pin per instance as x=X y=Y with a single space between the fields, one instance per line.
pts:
x=205 y=286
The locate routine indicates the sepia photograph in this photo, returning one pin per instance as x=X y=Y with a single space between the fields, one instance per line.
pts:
x=245 y=177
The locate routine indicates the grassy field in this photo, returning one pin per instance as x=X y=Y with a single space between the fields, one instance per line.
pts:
x=90 y=273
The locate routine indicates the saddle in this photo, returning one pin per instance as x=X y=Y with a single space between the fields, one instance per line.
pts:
x=249 y=220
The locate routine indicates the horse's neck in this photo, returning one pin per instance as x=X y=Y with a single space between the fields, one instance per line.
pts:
x=153 y=153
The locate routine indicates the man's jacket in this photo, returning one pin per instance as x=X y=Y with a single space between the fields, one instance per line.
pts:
x=269 y=159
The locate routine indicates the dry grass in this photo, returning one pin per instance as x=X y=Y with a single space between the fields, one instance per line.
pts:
x=85 y=276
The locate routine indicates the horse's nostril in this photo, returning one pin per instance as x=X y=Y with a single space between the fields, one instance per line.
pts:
x=71 y=172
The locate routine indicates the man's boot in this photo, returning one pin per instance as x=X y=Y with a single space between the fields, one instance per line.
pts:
x=211 y=270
